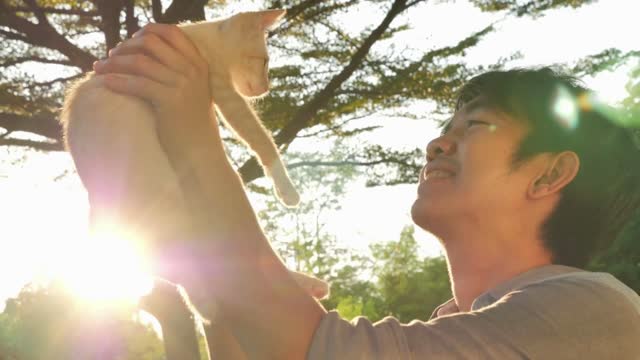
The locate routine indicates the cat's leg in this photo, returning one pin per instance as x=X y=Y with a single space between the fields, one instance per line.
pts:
x=170 y=305
x=130 y=182
x=239 y=115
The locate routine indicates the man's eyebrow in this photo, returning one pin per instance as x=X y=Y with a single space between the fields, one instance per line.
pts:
x=478 y=103
x=471 y=106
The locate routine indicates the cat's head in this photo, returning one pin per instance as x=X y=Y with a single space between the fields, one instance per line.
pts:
x=245 y=35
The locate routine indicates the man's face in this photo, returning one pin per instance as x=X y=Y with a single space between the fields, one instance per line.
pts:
x=469 y=178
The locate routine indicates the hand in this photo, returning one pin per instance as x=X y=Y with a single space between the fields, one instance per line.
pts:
x=161 y=65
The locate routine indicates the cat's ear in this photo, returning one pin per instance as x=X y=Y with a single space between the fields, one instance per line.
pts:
x=270 y=18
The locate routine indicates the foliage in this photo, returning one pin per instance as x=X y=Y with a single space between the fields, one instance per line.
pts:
x=623 y=258
x=46 y=322
x=411 y=287
x=326 y=79
x=528 y=7
x=326 y=75
x=390 y=280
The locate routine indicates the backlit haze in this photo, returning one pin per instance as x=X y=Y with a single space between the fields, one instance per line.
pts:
x=44 y=207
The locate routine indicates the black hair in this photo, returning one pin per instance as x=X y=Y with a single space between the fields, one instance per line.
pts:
x=563 y=115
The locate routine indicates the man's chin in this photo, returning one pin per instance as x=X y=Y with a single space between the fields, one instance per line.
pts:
x=420 y=214
x=427 y=216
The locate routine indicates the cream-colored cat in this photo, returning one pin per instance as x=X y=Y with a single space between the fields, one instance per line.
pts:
x=114 y=143
x=115 y=147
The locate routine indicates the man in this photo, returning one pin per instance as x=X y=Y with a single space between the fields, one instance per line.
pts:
x=520 y=189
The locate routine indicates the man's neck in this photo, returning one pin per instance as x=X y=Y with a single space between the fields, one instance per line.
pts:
x=476 y=267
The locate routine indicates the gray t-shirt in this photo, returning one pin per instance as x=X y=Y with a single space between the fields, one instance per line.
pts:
x=552 y=312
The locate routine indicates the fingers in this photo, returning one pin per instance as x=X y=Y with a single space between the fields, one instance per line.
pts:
x=135 y=85
x=155 y=47
x=176 y=38
x=137 y=64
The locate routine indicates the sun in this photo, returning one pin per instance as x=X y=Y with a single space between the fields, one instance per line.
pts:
x=107 y=267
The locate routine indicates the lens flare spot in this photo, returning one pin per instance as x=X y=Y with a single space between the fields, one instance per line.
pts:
x=108 y=267
x=586 y=101
x=565 y=108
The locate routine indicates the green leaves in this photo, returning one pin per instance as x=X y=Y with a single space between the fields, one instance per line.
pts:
x=45 y=322
x=623 y=258
x=606 y=60
x=527 y=8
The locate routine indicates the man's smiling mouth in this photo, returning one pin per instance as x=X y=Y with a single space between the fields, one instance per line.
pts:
x=437 y=174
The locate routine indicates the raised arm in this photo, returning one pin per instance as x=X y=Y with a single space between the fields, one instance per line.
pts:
x=227 y=266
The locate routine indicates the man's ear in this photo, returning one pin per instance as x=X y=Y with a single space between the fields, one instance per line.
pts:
x=560 y=170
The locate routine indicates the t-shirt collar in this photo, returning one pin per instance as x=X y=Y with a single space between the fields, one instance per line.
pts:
x=497 y=292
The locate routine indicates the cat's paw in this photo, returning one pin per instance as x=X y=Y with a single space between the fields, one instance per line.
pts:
x=284 y=188
x=289 y=197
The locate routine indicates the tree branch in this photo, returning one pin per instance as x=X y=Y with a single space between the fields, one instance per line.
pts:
x=181 y=10
x=156 y=10
x=52 y=10
x=43 y=34
x=38 y=145
x=40 y=124
x=335 y=127
x=14 y=36
x=37 y=11
x=110 y=14
x=20 y=60
x=344 y=163
x=131 y=21
x=60 y=79
x=302 y=118
x=296 y=10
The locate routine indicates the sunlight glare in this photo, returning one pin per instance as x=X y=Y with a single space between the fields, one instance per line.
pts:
x=590 y=101
x=565 y=107
x=106 y=268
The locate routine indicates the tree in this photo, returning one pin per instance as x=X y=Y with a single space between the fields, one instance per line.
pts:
x=623 y=258
x=392 y=279
x=48 y=323
x=330 y=80
x=410 y=286
x=301 y=235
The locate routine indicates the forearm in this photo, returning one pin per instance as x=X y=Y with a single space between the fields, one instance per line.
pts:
x=225 y=258
x=266 y=311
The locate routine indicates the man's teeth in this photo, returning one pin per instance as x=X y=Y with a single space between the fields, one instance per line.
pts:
x=438 y=174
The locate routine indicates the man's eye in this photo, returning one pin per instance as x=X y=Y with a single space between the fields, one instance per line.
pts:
x=471 y=123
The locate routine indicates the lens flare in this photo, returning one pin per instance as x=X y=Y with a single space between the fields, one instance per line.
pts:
x=565 y=108
x=106 y=268
x=590 y=101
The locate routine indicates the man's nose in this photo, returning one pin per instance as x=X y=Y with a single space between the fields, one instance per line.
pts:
x=442 y=145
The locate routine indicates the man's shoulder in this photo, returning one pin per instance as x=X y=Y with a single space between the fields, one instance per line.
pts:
x=582 y=290
x=597 y=283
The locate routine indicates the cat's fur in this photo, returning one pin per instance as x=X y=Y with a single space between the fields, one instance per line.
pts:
x=113 y=140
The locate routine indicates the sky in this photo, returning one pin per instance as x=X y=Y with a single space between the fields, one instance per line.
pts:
x=44 y=207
